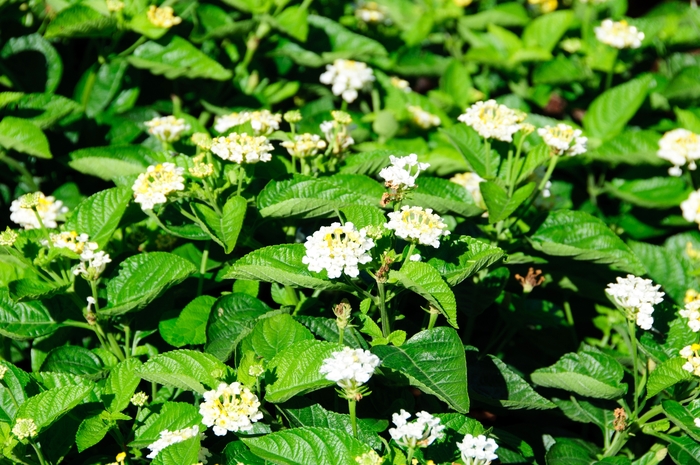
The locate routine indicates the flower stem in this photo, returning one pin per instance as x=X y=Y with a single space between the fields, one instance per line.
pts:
x=433 y=318
x=409 y=456
x=352 y=407
x=39 y=454
x=611 y=72
x=635 y=368
x=548 y=174
x=386 y=324
x=203 y=267
x=515 y=173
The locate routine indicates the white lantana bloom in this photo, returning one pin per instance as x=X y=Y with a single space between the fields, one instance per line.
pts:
x=471 y=181
x=401 y=84
x=73 y=241
x=152 y=187
x=477 y=450
x=417 y=224
x=638 y=297
x=304 y=145
x=263 y=122
x=25 y=428
x=692 y=313
x=92 y=264
x=402 y=172
x=230 y=407
x=422 y=118
x=619 y=34
x=421 y=432
x=493 y=120
x=338 y=249
x=167 y=128
x=697 y=422
x=691 y=207
x=371 y=13
x=3 y=370
x=168 y=438
x=679 y=146
x=350 y=368
x=22 y=210
x=242 y=148
x=690 y=353
x=562 y=139
x=347 y=77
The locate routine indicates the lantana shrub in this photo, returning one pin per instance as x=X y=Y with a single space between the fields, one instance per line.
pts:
x=253 y=232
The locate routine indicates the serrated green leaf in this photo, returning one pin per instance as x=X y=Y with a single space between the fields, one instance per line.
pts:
x=499 y=205
x=121 y=384
x=546 y=31
x=24 y=320
x=44 y=110
x=585 y=412
x=24 y=136
x=80 y=21
x=368 y=163
x=505 y=14
x=684 y=450
x=434 y=361
x=180 y=453
x=171 y=416
x=72 y=359
x=364 y=215
x=666 y=267
x=568 y=451
x=224 y=228
x=184 y=369
x=99 y=215
x=190 y=327
x=272 y=335
x=472 y=255
x=113 y=161
x=631 y=147
x=656 y=192
x=26 y=289
x=12 y=391
x=469 y=144
x=327 y=329
x=95 y=427
x=48 y=406
x=444 y=196
x=293 y=21
x=36 y=43
x=682 y=417
x=342 y=40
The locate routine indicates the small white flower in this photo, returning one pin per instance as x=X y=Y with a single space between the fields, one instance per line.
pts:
x=619 y=34
x=242 y=148
x=697 y=422
x=25 y=428
x=163 y=17
x=477 y=450
x=336 y=131
x=230 y=407
x=417 y=224
x=369 y=458
x=8 y=237
x=690 y=353
x=347 y=77
x=92 y=264
x=263 y=122
x=562 y=139
x=304 y=145
x=3 y=370
x=679 y=146
x=402 y=172
x=422 y=118
x=22 y=210
x=139 y=399
x=152 y=187
x=90 y=303
x=415 y=257
x=691 y=207
x=338 y=249
x=168 y=438
x=692 y=313
x=637 y=297
x=401 y=84
x=167 y=128
x=371 y=13
x=73 y=241
x=421 y=432
x=493 y=120
x=350 y=368
x=471 y=181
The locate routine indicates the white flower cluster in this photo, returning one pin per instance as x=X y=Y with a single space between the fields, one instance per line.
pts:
x=73 y=241
x=371 y=13
x=242 y=148
x=25 y=428
x=167 y=128
x=691 y=207
x=493 y=120
x=679 y=146
x=3 y=370
x=692 y=313
x=304 y=145
x=92 y=264
x=163 y=16
x=347 y=77
x=477 y=450
x=369 y=458
x=416 y=224
x=350 y=368
x=401 y=84
x=152 y=187
x=139 y=399
x=471 y=181
x=422 y=118
x=263 y=122
x=338 y=249
x=402 y=172
x=690 y=353
x=619 y=34
x=230 y=407
x=421 y=432
x=168 y=438
x=336 y=131
x=638 y=297
x=22 y=210
x=8 y=237
x=562 y=139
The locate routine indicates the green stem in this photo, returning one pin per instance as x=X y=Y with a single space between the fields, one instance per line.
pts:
x=570 y=320
x=203 y=267
x=619 y=440
x=343 y=105
x=550 y=169
x=656 y=410
x=26 y=175
x=341 y=335
x=133 y=47
x=611 y=72
x=635 y=368
x=433 y=318
x=49 y=244
x=127 y=341
x=411 y=248
x=241 y=177
x=376 y=102
x=409 y=456
x=352 y=407
x=107 y=339
x=386 y=324
x=39 y=454
x=515 y=173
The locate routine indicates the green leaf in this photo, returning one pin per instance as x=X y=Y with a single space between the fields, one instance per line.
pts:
x=342 y=40
x=231 y=318
x=468 y=142
x=92 y=430
x=293 y=21
x=682 y=417
x=72 y=359
x=462 y=257
x=304 y=446
x=274 y=334
x=295 y=370
x=142 y=278
x=184 y=369
x=25 y=289
x=369 y=163
x=23 y=136
x=80 y=21
x=24 y=320
x=113 y=161
x=666 y=267
x=584 y=237
x=586 y=412
x=588 y=373
x=45 y=110
x=36 y=43
x=505 y=14
x=171 y=416
x=48 y=406
x=106 y=81
x=444 y=196
x=656 y=192
x=434 y=361
x=190 y=327
x=99 y=215
x=630 y=147
x=12 y=391
x=281 y=264
x=499 y=205
x=364 y=215
x=327 y=329
x=684 y=450
x=610 y=111
x=308 y=197
x=177 y=58
x=546 y=31
x=224 y=228
x=180 y=453
x=566 y=451
x=121 y=384
x=426 y=281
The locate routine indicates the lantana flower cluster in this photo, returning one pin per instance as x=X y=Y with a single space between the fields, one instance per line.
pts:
x=493 y=120
x=419 y=433
x=347 y=77
x=350 y=368
x=263 y=122
x=152 y=187
x=338 y=249
x=418 y=225
x=637 y=296
x=242 y=148
x=619 y=34
x=680 y=147
x=562 y=139
x=24 y=211
x=167 y=128
x=230 y=407
x=477 y=450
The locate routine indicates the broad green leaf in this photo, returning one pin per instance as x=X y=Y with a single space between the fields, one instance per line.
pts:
x=113 y=161
x=106 y=81
x=171 y=416
x=342 y=40
x=584 y=237
x=99 y=215
x=462 y=257
x=304 y=446
x=327 y=329
x=588 y=373
x=426 y=281
x=121 y=384
x=12 y=391
x=684 y=450
x=682 y=417
x=36 y=43
x=309 y=197
x=91 y=431
x=236 y=452
x=72 y=359
x=684 y=85
x=469 y=144
x=656 y=192
x=184 y=369
x=444 y=196
x=505 y=14
x=44 y=110
x=176 y=58
x=231 y=318
x=224 y=228
x=272 y=335
x=26 y=289
x=142 y=278
x=281 y=264
x=295 y=370
x=368 y=163
x=566 y=451
x=499 y=205
x=80 y=21
x=363 y=216
x=180 y=453
x=24 y=320
x=49 y=406
x=190 y=327
x=434 y=361
x=585 y=412
x=666 y=267
x=293 y=21
x=546 y=31
x=610 y=111
x=23 y=136
x=631 y=148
